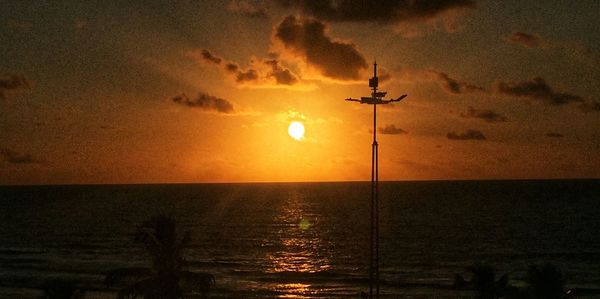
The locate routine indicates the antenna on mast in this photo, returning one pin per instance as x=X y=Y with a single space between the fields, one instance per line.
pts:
x=374 y=82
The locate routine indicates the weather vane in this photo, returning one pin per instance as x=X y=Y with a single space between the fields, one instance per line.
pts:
x=375 y=99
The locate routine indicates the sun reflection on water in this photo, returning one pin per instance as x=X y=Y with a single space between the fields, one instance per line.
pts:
x=295 y=290
x=299 y=248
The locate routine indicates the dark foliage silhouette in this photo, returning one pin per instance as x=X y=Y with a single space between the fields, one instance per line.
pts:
x=545 y=282
x=166 y=279
x=483 y=282
x=58 y=289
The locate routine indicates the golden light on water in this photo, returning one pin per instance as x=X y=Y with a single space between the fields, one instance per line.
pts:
x=301 y=248
x=295 y=290
x=296 y=130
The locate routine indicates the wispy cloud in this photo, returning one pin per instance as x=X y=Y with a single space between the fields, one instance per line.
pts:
x=590 y=106
x=210 y=57
x=581 y=52
x=525 y=39
x=261 y=72
x=205 y=102
x=10 y=82
x=554 y=135
x=452 y=85
x=391 y=130
x=576 y=50
x=14 y=157
x=538 y=90
x=444 y=80
x=467 y=135
x=247 y=8
x=484 y=114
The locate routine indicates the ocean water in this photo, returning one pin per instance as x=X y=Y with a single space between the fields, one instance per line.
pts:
x=304 y=240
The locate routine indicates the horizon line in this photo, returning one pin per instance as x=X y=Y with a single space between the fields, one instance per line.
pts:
x=303 y=182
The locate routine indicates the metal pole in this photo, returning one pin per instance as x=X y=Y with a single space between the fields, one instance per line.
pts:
x=372 y=226
x=374 y=199
x=374 y=99
x=377 y=219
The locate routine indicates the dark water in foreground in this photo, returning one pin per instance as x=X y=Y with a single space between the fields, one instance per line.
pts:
x=304 y=240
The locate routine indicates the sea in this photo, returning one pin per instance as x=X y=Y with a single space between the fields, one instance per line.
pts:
x=305 y=240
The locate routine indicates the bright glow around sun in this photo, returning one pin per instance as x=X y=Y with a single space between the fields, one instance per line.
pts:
x=296 y=130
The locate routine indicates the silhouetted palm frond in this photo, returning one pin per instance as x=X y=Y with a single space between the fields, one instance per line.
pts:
x=483 y=282
x=59 y=289
x=166 y=279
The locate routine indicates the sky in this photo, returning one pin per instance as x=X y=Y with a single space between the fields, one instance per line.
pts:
x=95 y=92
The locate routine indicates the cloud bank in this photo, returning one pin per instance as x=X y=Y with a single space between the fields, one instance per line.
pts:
x=386 y=12
x=409 y=17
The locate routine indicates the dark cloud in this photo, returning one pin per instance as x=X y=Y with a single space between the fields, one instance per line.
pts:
x=246 y=76
x=452 y=85
x=247 y=8
x=468 y=135
x=231 y=67
x=281 y=75
x=484 y=114
x=554 y=135
x=307 y=38
x=205 y=102
x=13 y=157
x=525 y=40
x=537 y=89
x=208 y=56
x=240 y=75
x=402 y=11
x=9 y=82
x=391 y=130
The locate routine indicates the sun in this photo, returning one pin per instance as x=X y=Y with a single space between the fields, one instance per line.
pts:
x=296 y=130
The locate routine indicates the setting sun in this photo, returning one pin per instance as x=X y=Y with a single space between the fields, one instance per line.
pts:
x=296 y=130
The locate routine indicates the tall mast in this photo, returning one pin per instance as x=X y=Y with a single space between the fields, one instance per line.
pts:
x=374 y=99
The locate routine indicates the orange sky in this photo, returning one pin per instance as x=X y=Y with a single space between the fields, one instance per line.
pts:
x=205 y=91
